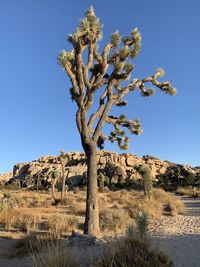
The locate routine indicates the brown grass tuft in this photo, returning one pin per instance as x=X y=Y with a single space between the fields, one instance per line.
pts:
x=59 y=224
x=114 y=220
x=126 y=252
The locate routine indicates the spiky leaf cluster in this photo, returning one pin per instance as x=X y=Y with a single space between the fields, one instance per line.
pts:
x=66 y=58
x=115 y=39
x=89 y=30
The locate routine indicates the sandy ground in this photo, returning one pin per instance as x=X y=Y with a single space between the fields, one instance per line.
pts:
x=6 y=246
x=180 y=236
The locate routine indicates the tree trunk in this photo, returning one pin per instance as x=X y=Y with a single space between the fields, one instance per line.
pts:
x=63 y=181
x=55 y=200
x=91 y=226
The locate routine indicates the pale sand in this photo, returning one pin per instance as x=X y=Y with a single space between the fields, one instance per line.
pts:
x=180 y=236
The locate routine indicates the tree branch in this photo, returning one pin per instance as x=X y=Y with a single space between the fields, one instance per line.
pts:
x=105 y=112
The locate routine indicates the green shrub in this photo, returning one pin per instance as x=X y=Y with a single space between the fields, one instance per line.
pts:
x=145 y=171
x=142 y=224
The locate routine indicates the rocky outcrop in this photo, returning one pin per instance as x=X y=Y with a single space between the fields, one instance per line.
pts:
x=5 y=177
x=125 y=168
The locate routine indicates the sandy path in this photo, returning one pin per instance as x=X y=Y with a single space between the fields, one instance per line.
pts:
x=6 y=246
x=180 y=236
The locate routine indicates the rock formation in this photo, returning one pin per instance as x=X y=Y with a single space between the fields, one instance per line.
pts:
x=41 y=170
x=5 y=177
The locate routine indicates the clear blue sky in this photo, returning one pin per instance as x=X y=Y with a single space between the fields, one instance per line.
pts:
x=36 y=113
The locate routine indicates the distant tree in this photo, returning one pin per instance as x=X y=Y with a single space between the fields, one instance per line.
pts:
x=63 y=157
x=107 y=73
x=145 y=171
x=55 y=177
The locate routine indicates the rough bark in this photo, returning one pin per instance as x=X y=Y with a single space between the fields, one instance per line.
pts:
x=55 y=200
x=91 y=226
x=63 y=181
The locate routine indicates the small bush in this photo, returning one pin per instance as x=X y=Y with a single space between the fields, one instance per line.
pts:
x=130 y=252
x=14 y=186
x=58 y=224
x=175 y=206
x=153 y=208
x=55 y=254
x=26 y=222
x=114 y=220
x=160 y=195
x=9 y=218
x=142 y=224
x=188 y=191
x=131 y=231
x=172 y=204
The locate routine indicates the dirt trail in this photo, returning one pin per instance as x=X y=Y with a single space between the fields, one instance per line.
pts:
x=179 y=236
x=6 y=247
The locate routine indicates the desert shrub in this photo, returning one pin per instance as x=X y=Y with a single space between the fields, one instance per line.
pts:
x=102 y=180
x=130 y=252
x=26 y=222
x=188 y=191
x=131 y=231
x=153 y=208
x=142 y=224
x=10 y=201
x=114 y=220
x=178 y=175
x=175 y=206
x=9 y=218
x=171 y=203
x=160 y=195
x=13 y=186
x=55 y=254
x=145 y=171
x=58 y=224
x=7 y=195
x=3 y=206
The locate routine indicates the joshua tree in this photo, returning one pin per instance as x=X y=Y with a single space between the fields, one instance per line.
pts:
x=63 y=160
x=106 y=73
x=55 y=177
x=145 y=171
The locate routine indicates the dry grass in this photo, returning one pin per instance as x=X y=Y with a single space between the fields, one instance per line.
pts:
x=172 y=204
x=114 y=220
x=55 y=254
x=175 y=206
x=117 y=208
x=18 y=219
x=188 y=191
x=59 y=224
x=126 y=252
x=9 y=218
x=27 y=222
x=153 y=208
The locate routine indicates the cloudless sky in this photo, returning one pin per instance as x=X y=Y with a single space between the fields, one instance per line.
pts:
x=36 y=112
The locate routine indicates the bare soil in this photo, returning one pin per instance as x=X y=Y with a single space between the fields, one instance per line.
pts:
x=180 y=236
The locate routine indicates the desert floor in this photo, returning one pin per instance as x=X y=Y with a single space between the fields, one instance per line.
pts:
x=178 y=236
